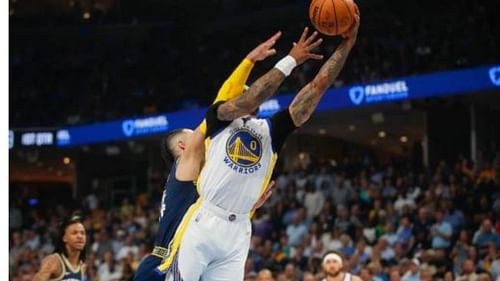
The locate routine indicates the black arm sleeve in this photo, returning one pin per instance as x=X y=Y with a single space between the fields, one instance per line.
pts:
x=214 y=125
x=281 y=127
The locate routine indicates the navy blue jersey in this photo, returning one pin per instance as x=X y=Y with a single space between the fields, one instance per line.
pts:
x=147 y=270
x=68 y=272
x=177 y=197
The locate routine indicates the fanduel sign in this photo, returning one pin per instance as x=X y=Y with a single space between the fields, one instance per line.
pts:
x=389 y=91
x=63 y=137
x=269 y=108
x=145 y=126
x=494 y=73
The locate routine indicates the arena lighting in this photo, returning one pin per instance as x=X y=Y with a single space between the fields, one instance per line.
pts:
x=66 y=160
x=322 y=131
x=381 y=134
x=86 y=15
x=403 y=139
x=352 y=127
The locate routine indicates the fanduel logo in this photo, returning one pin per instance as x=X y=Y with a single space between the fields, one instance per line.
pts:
x=269 y=108
x=63 y=137
x=379 y=92
x=495 y=75
x=145 y=126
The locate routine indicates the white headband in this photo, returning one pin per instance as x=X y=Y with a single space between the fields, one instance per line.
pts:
x=333 y=256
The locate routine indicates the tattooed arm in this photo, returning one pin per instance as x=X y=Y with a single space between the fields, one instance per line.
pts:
x=305 y=102
x=51 y=267
x=259 y=91
x=267 y=85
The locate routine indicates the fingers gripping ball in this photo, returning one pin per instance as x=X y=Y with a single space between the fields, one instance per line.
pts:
x=332 y=17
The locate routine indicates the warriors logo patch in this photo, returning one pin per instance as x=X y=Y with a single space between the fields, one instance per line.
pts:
x=243 y=148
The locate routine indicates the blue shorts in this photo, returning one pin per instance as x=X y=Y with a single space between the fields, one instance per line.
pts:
x=148 y=270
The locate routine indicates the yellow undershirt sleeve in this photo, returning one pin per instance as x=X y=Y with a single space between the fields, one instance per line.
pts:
x=233 y=86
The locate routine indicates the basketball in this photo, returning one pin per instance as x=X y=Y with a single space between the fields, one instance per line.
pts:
x=332 y=17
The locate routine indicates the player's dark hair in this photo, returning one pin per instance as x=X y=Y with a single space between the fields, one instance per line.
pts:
x=60 y=247
x=167 y=154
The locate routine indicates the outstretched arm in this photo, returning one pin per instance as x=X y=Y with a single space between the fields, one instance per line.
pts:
x=234 y=85
x=267 y=85
x=305 y=102
x=191 y=160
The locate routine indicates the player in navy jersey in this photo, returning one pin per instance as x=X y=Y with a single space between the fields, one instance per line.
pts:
x=67 y=261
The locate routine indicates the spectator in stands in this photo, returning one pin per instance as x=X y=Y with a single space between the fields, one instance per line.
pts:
x=129 y=247
x=495 y=266
x=441 y=232
x=109 y=269
x=468 y=272
x=485 y=235
x=366 y=274
x=313 y=201
x=425 y=275
x=101 y=243
x=342 y=194
x=291 y=273
x=454 y=216
x=389 y=192
x=265 y=275
x=405 y=231
x=343 y=221
x=394 y=275
x=413 y=273
x=297 y=230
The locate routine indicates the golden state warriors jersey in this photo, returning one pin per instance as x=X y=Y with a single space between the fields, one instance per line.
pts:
x=240 y=158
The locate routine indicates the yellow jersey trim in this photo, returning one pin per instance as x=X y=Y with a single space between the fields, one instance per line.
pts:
x=179 y=234
x=267 y=179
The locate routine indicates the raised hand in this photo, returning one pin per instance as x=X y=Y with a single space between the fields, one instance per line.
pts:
x=302 y=50
x=265 y=49
x=263 y=198
x=351 y=34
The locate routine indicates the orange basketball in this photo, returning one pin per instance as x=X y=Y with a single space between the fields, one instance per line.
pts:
x=332 y=17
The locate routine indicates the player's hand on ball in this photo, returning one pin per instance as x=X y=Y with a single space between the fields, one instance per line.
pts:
x=302 y=50
x=265 y=49
x=351 y=34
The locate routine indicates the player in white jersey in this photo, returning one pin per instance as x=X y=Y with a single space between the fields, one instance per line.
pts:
x=333 y=264
x=241 y=151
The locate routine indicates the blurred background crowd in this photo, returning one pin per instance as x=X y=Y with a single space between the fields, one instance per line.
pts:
x=390 y=222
